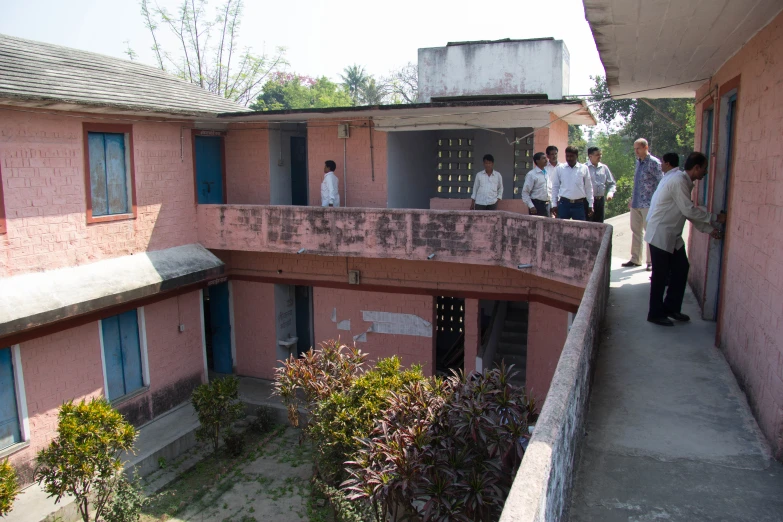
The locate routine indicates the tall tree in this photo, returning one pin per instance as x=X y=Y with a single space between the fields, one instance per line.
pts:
x=373 y=92
x=404 y=84
x=293 y=91
x=355 y=79
x=207 y=49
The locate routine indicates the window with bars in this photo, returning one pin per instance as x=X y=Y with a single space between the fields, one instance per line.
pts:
x=455 y=167
x=523 y=159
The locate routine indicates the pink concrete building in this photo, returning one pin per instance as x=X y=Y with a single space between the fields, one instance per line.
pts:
x=152 y=235
x=737 y=81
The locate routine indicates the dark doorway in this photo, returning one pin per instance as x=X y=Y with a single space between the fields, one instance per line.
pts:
x=304 y=319
x=450 y=334
x=217 y=328
x=209 y=169
x=299 y=171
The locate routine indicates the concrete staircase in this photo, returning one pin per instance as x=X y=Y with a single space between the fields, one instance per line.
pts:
x=512 y=346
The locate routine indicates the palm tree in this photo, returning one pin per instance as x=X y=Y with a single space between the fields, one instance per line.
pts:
x=373 y=93
x=354 y=79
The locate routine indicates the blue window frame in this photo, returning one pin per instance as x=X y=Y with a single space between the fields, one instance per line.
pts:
x=707 y=140
x=10 y=432
x=122 y=354
x=109 y=173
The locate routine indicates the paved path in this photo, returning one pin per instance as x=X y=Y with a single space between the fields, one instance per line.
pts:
x=670 y=435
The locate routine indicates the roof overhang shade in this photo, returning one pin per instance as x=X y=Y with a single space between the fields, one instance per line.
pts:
x=668 y=48
x=489 y=114
x=41 y=298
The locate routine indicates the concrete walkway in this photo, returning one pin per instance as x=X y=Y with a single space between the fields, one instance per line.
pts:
x=669 y=434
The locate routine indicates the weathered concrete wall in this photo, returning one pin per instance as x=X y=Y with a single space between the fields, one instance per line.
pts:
x=67 y=366
x=539 y=66
x=413 y=177
x=323 y=144
x=557 y=250
x=42 y=169
x=542 y=486
x=254 y=329
x=547 y=329
x=247 y=165
x=751 y=317
x=506 y=205
x=472 y=333
x=353 y=317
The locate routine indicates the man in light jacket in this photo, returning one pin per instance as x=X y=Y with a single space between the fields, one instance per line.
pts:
x=488 y=187
x=670 y=206
x=330 y=192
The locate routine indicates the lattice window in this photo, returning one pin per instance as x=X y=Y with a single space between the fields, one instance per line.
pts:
x=455 y=167
x=451 y=314
x=523 y=159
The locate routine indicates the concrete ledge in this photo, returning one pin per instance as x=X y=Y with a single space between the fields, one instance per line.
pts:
x=542 y=486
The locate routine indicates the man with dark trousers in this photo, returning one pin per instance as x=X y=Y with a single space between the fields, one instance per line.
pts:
x=572 y=190
x=670 y=206
x=603 y=184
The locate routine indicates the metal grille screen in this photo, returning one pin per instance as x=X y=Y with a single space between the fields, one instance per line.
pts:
x=523 y=159
x=455 y=167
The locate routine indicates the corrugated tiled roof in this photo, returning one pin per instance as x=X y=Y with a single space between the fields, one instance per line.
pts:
x=31 y=70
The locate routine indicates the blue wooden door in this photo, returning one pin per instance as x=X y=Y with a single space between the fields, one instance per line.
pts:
x=122 y=354
x=209 y=169
x=722 y=206
x=9 y=415
x=220 y=323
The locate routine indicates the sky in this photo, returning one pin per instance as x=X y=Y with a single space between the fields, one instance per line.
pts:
x=322 y=38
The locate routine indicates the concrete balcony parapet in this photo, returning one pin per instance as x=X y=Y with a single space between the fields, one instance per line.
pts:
x=559 y=250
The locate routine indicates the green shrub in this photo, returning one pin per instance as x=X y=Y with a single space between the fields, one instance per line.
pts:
x=84 y=458
x=444 y=450
x=127 y=502
x=9 y=487
x=235 y=442
x=265 y=419
x=217 y=406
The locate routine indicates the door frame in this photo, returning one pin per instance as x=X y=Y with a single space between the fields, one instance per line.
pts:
x=233 y=347
x=210 y=134
x=725 y=140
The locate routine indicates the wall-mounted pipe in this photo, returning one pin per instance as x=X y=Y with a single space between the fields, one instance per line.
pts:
x=345 y=172
x=372 y=160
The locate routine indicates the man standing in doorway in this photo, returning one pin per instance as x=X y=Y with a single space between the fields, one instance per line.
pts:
x=571 y=188
x=645 y=180
x=670 y=206
x=330 y=193
x=536 y=190
x=488 y=187
x=603 y=183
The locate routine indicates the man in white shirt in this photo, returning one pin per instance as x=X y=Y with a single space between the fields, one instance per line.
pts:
x=551 y=156
x=670 y=206
x=488 y=187
x=670 y=163
x=603 y=184
x=536 y=190
x=330 y=193
x=571 y=187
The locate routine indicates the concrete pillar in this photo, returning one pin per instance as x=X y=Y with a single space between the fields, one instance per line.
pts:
x=546 y=334
x=472 y=333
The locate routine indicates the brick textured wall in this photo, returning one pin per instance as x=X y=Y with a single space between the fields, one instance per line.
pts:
x=751 y=317
x=247 y=165
x=507 y=205
x=42 y=168
x=555 y=134
x=410 y=349
x=546 y=334
x=323 y=144
x=254 y=329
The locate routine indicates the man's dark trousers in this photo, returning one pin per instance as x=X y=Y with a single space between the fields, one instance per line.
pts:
x=598 y=209
x=493 y=206
x=676 y=267
x=542 y=207
x=575 y=210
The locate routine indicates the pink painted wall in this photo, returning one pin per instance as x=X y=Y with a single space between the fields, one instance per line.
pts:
x=247 y=165
x=472 y=333
x=254 y=329
x=323 y=144
x=556 y=134
x=67 y=366
x=751 y=319
x=546 y=334
x=506 y=205
x=42 y=169
x=350 y=304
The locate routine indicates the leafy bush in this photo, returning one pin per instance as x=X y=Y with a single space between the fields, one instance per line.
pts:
x=265 y=420
x=444 y=450
x=345 y=510
x=217 y=406
x=235 y=442
x=9 y=487
x=127 y=502
x=84 y=458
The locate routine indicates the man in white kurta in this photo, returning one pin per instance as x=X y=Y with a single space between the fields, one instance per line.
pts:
x=670 y=206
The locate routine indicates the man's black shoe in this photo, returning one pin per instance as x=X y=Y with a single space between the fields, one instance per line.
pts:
x=662 y=321
x=630 y=263
x=677 y=316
